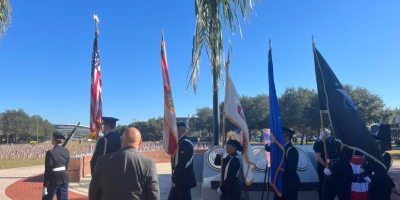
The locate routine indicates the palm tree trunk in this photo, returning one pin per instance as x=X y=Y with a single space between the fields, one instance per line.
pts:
x=215 y=62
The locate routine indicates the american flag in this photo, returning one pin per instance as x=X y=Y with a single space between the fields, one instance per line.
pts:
x=170 y=131
x=95 y=91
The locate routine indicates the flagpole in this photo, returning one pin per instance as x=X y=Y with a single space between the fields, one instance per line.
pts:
x=321 y=116
x=172 y=156
x=223 y=123
x=96 y=33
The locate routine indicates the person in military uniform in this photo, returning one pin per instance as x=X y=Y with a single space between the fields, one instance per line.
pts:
x=320 y=154
x=109 y=143
x=230 y=187
x=380 y=182
x=182 y=174
x=338 y=173
x=290 y=178
x=56 y=170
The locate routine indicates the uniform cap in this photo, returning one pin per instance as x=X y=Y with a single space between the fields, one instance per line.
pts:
x=287 y=131
x=236 y=144
x=59 y=136
x=181 y=124
x=108 y=120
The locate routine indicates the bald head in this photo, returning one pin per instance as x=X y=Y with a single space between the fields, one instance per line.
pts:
x=131 y=138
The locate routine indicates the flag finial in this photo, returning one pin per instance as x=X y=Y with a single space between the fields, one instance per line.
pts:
x=270 y=47
x=162 y=36
x=312 y=39
x=227 y=63
x=96 y=22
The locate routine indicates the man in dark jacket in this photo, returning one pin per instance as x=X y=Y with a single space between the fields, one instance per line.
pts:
x=290 y=178
x=125 y=174
x=111 y=142
x=183 y=175
x=56 y=170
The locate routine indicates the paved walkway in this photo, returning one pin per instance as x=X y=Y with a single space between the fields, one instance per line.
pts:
x=10 y=176
x=26 y=183
x=31 y=188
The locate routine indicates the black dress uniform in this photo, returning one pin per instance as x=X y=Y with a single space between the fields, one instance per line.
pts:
x=56 y=171
x=319 y=148
x=381 y=183
x=290 y=178
x=230 y=186
x=339 y=182
x=107 y=144
x=183 y=174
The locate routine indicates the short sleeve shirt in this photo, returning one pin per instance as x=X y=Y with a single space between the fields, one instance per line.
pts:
x=319 y=148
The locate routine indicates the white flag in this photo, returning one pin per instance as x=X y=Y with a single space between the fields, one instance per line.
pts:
x=234 y=113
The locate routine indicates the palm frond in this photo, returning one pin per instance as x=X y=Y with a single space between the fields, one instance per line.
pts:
x=208 y=32
x=5 y=16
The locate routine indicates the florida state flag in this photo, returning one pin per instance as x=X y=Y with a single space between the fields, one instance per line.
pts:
x=170 y=135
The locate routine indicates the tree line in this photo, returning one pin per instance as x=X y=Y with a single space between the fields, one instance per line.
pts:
x=299 y=110
x=16 y=126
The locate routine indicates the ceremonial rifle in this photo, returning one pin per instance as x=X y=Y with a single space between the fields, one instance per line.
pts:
x=71 y=134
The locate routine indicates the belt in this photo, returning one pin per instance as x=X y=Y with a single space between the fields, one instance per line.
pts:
x=58 y=169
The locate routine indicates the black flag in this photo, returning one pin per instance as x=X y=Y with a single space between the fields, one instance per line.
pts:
x=347 y=126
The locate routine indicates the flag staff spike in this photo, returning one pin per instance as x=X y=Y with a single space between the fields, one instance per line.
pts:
x=270 y=47
x=162 y=34
x=96 y=22
x=321 y=116
x=312 y=39
x=223 y=121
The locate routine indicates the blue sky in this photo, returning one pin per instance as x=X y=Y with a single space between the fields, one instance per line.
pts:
x=45 y=55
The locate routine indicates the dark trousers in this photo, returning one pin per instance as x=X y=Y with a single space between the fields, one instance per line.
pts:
x=320 y=172
x=290 y=195
x=179 y=194
x=233 y=197
x=334 y=186
x=60 y=190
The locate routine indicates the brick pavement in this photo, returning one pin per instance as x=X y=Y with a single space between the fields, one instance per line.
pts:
x=25 y=183
x=9 y=176
x=31 y=188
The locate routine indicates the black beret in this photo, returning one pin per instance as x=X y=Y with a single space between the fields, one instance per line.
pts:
x=181 y=124
x=107 y=120
x=236 y=144
x=59 y=136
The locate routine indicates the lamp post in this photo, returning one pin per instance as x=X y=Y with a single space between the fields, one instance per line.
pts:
x=37 y=130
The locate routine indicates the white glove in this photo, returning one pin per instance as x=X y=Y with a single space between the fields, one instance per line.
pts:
x=219 y=191
x=44 y=192
x=322 y=135
x=221 y=151
x=172 y=183
x=367 y=179
x=327 y=172
x=361 y=170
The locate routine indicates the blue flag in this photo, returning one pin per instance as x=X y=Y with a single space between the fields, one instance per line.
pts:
x=276 y=146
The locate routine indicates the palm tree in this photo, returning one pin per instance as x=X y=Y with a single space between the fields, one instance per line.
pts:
x=5 y=16
x=208 y=35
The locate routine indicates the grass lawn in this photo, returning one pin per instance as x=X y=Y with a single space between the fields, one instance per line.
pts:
x=6 y=163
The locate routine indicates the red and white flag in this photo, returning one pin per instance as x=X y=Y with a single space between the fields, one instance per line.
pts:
x=359 y=187
x=235 y=114
x=170 y=131
x=95 y=92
